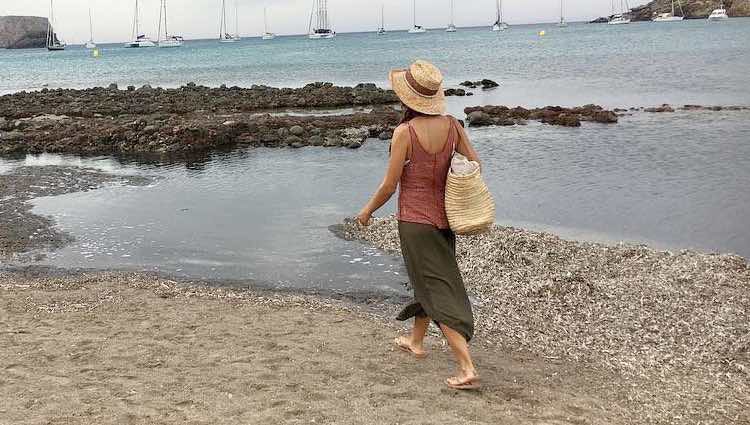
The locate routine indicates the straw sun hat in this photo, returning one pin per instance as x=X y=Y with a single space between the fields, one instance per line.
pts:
x=420 y=87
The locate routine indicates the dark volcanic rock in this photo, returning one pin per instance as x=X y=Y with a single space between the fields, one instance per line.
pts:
x=479 y=116
x=186 y=120
x=485 y=84
x=662 y=108
x=190 y=98
x=455 y=92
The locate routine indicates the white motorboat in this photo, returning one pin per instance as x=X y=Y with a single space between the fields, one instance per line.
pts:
x=452 y=26
x=53 y=43
x=169 y=40
x=139 y=40
x=499 y=24
x=670 y=16
x=267 y=35
x=224 y=35
x=320 y=25
x=416 y=29
x=90 y=44
x=719 y=14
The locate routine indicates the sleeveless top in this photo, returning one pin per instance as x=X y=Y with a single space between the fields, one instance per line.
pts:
x=422 y=194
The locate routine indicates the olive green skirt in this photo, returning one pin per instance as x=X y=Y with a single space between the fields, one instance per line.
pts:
x=439 y=292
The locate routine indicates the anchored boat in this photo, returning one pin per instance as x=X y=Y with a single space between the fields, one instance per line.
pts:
x=169 y=40
x=267 y=35
x=670 y=16
x=53 y=43
x=499 y=24
x=452 y=25
x=320 y=26
x=719 y=14
x=224 y=35
x=138 y=40
x=416 y=29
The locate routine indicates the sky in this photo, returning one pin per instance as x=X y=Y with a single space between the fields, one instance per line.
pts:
x=196 y=19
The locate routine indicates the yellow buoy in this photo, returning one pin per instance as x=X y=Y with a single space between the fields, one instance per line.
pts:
x=95 y=53
x=542 y=33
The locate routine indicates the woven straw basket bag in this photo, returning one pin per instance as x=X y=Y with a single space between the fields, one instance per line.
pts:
x=469 y=204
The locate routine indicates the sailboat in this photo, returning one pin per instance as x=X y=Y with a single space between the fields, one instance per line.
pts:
x=499 y=24
x=138 y=40
x=381 y=30
x=320 y=27
x=224 y=35
x=670 y=17
x=169 y=40
x=53 y=43
x=451 y=26
x=90 y=44
x=562 y=23
x=416 y=29
x=621 y=18
x=719 y=14
x=267 y=35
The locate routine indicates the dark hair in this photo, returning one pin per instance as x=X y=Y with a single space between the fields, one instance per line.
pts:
x=409 y=114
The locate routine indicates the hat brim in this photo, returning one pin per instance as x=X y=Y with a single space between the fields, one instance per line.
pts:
x=430 y=105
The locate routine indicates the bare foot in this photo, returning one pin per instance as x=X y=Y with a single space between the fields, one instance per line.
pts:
x=405 y=344
x=465 y=380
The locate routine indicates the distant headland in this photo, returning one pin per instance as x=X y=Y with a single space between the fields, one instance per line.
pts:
x=692 y=9
x=23 y=32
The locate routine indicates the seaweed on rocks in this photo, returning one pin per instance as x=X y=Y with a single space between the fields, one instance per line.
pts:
x=480 y=116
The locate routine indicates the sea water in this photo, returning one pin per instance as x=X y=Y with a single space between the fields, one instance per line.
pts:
x=675 y=180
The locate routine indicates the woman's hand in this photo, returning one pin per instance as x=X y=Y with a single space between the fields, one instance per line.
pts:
x=364 y=218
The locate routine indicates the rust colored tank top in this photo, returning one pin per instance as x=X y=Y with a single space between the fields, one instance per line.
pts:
x=422 y=194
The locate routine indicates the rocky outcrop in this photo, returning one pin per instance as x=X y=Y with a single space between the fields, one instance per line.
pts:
x=480 y=116
x=691 y=9
x=112 y=102
x=22 y=32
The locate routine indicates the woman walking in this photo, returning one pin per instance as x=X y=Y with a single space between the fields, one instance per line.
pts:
x=421 y=151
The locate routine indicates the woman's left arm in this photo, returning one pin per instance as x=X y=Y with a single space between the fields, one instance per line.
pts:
x=399 y=152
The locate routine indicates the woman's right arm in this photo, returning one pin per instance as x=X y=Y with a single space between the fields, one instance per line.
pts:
x=464 y=146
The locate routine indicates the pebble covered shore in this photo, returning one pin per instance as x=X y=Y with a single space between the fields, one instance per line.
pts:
x=673 y=324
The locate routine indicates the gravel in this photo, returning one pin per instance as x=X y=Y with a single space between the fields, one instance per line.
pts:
x=674 y=325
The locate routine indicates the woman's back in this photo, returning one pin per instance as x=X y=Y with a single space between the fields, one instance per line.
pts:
x=422 y=195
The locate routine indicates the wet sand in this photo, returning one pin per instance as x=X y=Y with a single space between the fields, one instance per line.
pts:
x=123 y=348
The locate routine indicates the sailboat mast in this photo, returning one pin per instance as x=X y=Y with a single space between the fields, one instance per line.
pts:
x=223 y=19
x=452 y=12
x=414 y=14
x=382 y=16
x=91 y=27
x=49 y=24
x=166 y=31
x=236 y=20
x=265 y=21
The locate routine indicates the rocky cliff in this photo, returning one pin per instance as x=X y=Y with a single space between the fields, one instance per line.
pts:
x=22 y=32
x=693 y=9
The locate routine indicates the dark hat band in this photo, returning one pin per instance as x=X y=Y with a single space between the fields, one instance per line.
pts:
x=424 y=91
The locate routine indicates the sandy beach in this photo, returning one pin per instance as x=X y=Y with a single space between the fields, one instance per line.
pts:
x=123 y=348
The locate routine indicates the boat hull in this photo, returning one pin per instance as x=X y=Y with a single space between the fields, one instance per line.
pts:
x=321 y=36
x=619 y=22
x=268 y=36
x=669 y=19
x=417 y=31
x=170 y=44
x=498 y=28
x=718 y=15
x=90 y=45
x=55 y=48
x=140 y=44
x=451 y=28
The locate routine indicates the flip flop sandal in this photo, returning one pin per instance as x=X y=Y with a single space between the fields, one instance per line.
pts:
x=407 y=349
x=470 y=384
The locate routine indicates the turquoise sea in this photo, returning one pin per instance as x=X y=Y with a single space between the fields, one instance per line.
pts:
x=631 y=65
x=675 y=180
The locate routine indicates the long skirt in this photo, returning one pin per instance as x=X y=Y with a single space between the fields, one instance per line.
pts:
x=439 y=292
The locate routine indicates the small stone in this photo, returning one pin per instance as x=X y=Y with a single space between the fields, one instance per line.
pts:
x=316 y=140
x=112 y=86
x=283 y=132
x=354 y=145
x=386 y=135
x=292 y=140
x=297 y=130
x=131 y=88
